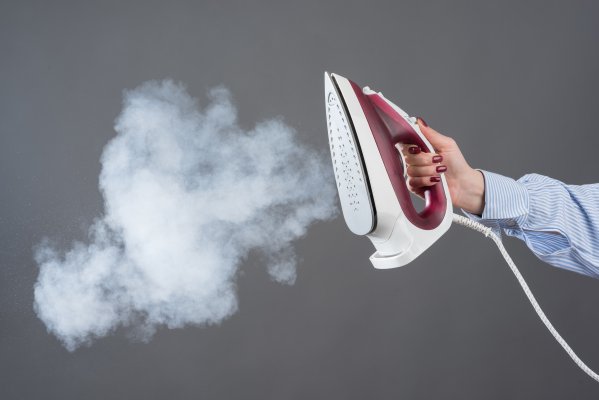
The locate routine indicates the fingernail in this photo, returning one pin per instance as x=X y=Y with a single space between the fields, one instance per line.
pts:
x=414 y=150
x=423 y=121
x=435 y=179
x=441 y=168
x=437 y=159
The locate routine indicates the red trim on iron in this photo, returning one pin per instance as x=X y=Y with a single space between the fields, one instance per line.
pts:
x=389 y=128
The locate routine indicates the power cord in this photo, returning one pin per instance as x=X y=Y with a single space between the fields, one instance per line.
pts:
x=459 y=219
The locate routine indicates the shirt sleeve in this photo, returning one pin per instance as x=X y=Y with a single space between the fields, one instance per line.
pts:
x=558 y=222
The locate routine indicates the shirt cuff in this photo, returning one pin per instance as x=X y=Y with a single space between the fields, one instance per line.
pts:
x=506 y=204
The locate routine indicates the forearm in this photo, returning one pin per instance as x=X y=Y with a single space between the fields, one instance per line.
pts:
x=471 y=192
x=558 y=222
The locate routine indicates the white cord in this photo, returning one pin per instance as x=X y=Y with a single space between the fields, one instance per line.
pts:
x=489 y=233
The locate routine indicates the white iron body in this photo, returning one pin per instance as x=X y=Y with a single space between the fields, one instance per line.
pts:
x=397 y=240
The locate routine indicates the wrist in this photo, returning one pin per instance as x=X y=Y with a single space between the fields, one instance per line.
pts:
x=472 y=192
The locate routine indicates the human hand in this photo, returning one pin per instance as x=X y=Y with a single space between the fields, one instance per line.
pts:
x=466 y=185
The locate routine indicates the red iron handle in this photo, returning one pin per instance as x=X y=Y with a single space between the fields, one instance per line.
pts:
x=390 y=128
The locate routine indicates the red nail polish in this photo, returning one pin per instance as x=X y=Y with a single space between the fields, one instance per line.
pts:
x=414 y=149
x=423 y=121
x=435 y=179
x=437 y=159
x=441 y=168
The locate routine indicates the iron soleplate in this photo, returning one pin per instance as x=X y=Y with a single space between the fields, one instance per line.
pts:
x=350 y=174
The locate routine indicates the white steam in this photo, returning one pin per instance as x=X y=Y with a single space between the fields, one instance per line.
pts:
x=188 y=194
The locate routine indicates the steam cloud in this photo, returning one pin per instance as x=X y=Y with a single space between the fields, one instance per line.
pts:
x=188 y=194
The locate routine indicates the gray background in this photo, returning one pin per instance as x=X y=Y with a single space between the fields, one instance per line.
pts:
x=514 y=83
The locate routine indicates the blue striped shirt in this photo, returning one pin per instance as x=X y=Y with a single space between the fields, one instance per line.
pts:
x=558 y=222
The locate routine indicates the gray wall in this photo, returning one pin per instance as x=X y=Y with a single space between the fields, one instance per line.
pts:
x=514 y=83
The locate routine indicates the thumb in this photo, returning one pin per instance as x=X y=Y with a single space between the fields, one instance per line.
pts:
x=440 y=142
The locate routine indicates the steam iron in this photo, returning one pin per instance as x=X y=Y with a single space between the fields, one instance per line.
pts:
x=365 y=130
